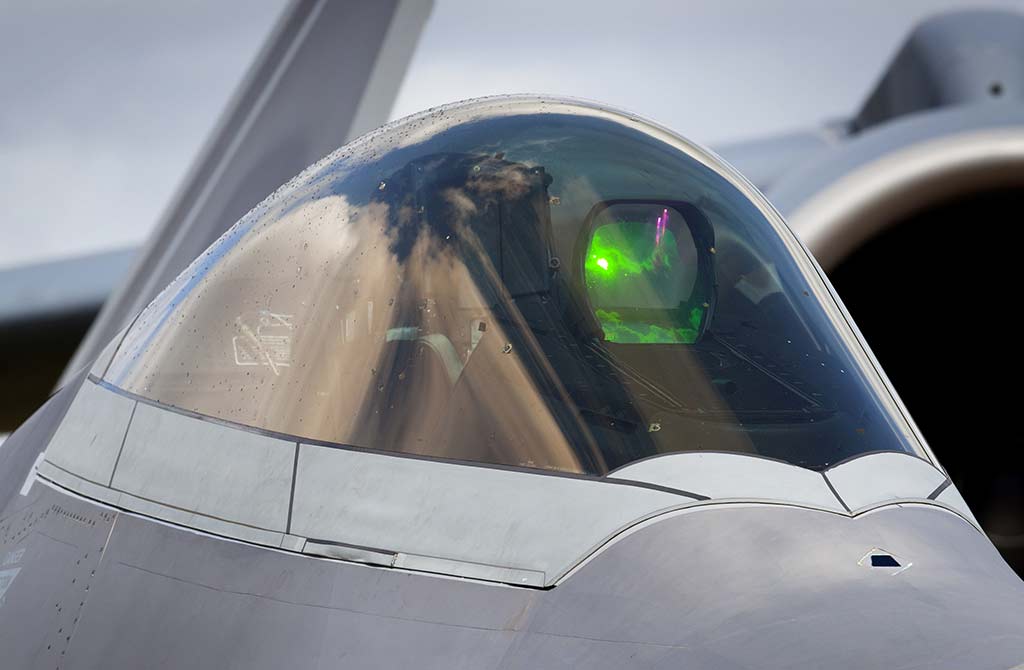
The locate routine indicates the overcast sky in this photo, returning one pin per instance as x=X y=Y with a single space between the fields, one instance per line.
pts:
x=105 y=103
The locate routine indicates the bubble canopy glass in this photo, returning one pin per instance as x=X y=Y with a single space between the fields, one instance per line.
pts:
x=517 y=281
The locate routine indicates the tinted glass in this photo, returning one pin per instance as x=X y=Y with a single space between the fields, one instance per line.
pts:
x=641 y=270
x=519 y=282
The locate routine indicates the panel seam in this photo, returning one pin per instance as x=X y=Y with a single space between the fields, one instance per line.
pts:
x=124 y=439
x=291 y=496
x=836 y=493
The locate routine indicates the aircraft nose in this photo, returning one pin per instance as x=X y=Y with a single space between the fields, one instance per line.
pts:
x=782 y=587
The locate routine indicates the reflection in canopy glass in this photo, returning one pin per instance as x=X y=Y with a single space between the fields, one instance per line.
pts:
x=520 y=282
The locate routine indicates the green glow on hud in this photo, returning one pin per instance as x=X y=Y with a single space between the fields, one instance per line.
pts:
x=625 y=249
x=626 y=254
x=622 y=332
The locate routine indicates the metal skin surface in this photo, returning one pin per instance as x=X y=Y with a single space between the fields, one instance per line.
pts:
x=945 y=119
x=719 y=585
x=458 y=519
x=727 y=586
x=848 y=194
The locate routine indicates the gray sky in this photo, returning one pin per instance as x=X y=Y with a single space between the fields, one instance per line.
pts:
x=105 y=104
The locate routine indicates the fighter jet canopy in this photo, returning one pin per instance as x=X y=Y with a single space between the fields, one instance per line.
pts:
x=521 y=282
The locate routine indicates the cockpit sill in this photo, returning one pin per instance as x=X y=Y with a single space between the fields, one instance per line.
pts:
x=616 y=476
x=552 y=472
x=493 y=523
x=463 y=571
